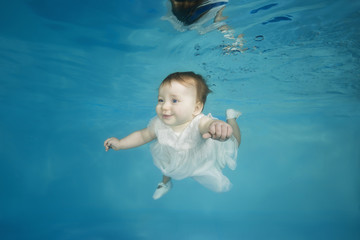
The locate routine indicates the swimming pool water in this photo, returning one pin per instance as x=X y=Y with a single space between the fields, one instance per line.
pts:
x=73 y=74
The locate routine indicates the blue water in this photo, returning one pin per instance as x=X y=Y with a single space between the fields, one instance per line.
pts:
x=73 y=73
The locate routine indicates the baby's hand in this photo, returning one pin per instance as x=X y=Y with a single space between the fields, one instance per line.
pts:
x=219 y=130
x=112 y=143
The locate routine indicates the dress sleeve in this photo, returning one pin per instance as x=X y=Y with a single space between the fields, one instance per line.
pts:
x=153 y=125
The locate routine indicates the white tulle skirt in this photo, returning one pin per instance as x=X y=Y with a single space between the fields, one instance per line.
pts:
x=189 y=155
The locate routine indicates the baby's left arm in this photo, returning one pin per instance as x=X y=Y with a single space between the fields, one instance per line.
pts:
x=215 y=129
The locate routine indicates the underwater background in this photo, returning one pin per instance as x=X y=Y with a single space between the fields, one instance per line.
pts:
x=73 y=73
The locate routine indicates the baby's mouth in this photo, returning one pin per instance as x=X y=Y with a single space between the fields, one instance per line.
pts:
x=166 y=116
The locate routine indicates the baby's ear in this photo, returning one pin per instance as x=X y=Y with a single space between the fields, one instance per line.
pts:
x=198 y=108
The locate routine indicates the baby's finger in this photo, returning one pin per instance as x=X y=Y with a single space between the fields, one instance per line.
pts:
x=108 y=147
x=206 y=135
x=218 y=130
x=107 y=141
x=230 y=131
x=224 y=132
x=107 y=144
x=212 y=130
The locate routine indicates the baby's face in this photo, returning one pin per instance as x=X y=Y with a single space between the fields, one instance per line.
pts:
x=177 y=105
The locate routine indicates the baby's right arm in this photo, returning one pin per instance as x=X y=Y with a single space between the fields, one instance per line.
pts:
x=135 y=139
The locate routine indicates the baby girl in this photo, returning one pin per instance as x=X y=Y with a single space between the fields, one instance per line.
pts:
x=186 y=142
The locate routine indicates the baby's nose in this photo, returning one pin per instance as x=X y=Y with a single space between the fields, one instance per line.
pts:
x=166 y=105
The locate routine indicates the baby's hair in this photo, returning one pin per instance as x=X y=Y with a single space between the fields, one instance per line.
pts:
x=202 y=89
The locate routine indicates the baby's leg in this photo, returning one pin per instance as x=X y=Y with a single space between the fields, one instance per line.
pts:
x=162 y=187
x=166 y=179
x=231 y=116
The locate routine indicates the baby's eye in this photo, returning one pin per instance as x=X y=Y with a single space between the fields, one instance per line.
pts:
x=160 y=100
x=175 y=101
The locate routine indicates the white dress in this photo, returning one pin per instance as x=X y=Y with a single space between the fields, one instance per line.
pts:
x=205 y=23
x=189 y=155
